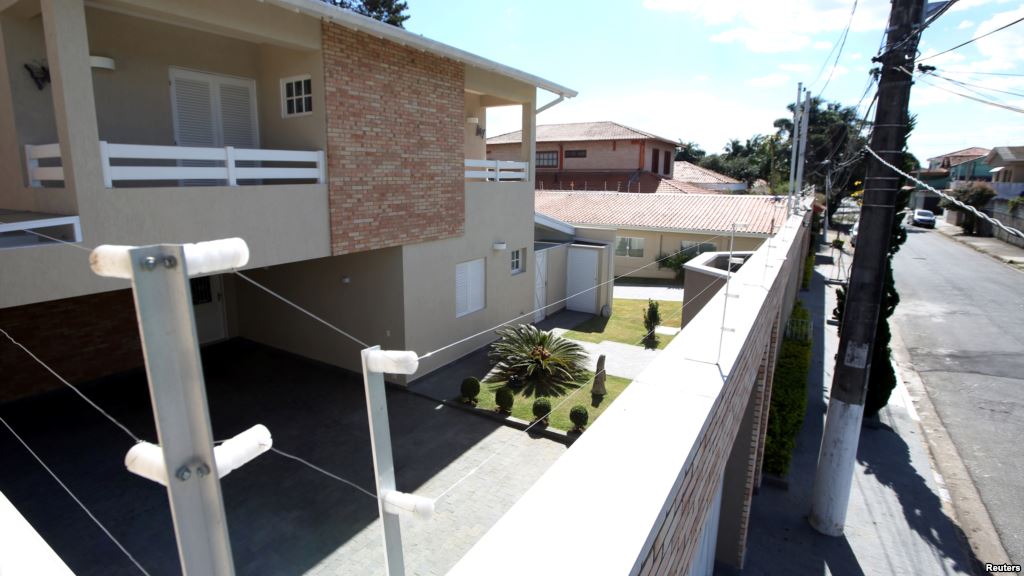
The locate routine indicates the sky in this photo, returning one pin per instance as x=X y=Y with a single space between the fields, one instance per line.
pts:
x=709 y=71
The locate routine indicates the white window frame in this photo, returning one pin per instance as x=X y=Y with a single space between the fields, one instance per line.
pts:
x=687 y=244
x=285 y=98
x=516 y=261
x=629 y=246
x=475 y=298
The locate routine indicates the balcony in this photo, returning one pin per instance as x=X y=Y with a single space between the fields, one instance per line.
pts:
x=497 y=170
x=1008 y=189
x=137 y=165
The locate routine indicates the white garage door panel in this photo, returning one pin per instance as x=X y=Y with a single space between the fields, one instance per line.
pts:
x=582 y=274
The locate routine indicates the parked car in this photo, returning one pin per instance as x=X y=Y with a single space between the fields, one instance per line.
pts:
x=853 y=233
x=923 y=218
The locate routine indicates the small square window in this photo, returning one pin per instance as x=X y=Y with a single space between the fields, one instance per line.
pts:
x=516 y=257
x=296 y=96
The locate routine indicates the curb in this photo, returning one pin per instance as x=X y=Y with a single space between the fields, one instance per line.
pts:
x=949 y=230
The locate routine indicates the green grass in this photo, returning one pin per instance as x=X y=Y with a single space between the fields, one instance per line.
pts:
x=626 y=324
x=523 y=407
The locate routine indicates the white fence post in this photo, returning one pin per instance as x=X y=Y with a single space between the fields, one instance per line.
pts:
x=497 y=171
x=30 y=165
x=321 y=166
x=229 y=163
x=105 y=164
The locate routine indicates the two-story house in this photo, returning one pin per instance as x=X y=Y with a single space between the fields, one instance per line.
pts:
x=604 y=156
x=1007 y=170
x=347 y=153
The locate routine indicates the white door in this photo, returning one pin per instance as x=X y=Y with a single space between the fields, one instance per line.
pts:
x=213 y=110
x=208 y=308
x=540 y=285
x=581 y=274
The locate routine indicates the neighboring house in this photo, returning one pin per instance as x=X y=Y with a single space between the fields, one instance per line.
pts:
x=349 y=154
x=704 y=178
x=942 y=171
x=603 y=156
x=648 y=226
x=1007 y=170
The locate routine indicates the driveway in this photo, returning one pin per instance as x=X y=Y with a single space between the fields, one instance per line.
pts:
x=284 y=518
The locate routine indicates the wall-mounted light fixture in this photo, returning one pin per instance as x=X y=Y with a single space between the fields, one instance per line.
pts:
x=39 y=72
x=102 y=62
x=500 y=246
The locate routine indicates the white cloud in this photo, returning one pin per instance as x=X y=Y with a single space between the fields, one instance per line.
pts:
x=779 y=25
x=769 y=81
x=1003 y=50
x=795 y=67
x=822 y=45
x=965 y=25
x=855 y=57
x=701 y=78
x=968 y=4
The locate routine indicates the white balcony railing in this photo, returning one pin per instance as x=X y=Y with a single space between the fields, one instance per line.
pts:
x=142 y=163
x=497 y=170
x=1008 y=189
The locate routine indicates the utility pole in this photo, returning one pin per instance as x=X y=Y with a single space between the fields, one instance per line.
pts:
x=828 y=192
x=794 y=141
x=801 y=159
x=866 y=287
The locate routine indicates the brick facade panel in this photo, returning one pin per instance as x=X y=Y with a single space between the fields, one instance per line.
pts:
x=395 y=132
x=80 y=338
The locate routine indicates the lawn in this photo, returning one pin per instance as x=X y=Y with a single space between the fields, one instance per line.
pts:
x=523 y=407
x=626 y=324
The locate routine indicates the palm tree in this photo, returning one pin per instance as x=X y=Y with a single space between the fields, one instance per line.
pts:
x=544 y=364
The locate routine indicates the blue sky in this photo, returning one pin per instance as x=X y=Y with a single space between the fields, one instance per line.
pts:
x=708 y=71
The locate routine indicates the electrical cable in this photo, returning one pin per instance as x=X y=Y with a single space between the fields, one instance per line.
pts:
x=842 y=45
x=971 y=209
x=968 y=85
x=115 y=421
x=975 y=39
x=967 y=96
x=75 y=498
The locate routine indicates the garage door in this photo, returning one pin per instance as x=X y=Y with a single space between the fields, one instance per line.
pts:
x=582 y=274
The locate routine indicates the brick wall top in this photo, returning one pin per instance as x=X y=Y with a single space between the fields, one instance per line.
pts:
x=395 y=132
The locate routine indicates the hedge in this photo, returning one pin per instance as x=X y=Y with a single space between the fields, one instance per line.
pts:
x=788 y=401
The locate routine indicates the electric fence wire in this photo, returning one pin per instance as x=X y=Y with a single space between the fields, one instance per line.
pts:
x=75 y=498
x=971 y=209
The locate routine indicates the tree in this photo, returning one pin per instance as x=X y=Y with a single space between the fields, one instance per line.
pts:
x=387 y=11
x=544 y=364
x=652 y=317
x=689 y=152
x=977 y=194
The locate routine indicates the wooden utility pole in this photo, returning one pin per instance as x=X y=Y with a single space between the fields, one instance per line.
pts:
x=864 y=294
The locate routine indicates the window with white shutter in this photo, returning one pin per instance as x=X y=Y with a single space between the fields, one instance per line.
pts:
x=470 y=287
x=213 y=110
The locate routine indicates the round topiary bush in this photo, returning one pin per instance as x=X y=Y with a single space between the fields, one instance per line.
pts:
x=504 y=398
x=541 y=408
x=470 y=389
x=579 y=416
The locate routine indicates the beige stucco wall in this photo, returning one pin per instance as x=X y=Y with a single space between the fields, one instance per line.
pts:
x=368 y=306
x=656 y=243
x=281 y=224
x=475 y=147
x=307 y=132
x=493 y=212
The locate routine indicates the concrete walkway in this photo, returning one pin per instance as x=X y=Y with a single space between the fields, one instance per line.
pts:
x=898 y=520
x=631 y=292
x=620 y=359
x=994 y=247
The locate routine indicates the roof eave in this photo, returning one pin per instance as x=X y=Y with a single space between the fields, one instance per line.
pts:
x=349 y=19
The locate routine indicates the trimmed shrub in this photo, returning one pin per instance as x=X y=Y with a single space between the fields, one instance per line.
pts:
x=579 y=416
x=504 y=398
x=652 y=317
x=789 y=400
x=541 y=408
x=470 y=389
x=537 y=361
x=808 y=271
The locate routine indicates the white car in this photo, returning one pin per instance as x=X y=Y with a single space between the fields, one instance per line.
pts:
x=924 y=218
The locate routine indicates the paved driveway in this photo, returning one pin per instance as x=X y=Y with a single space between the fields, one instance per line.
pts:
x=284 y=519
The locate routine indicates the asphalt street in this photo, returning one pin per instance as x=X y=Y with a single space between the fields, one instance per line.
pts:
x=961 y=316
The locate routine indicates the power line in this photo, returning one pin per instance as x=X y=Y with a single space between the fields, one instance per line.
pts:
x=75 y=498
x=839 y=54
x=948 y=71
x=968 y=96
x=968 y=85
x=928 y=23
x=72 y=387
x=962 y=44
x=971 y=209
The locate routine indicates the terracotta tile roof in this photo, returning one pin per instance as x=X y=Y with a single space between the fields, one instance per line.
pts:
x=580 y=132
x=614 y=181
x=683 y=212
x=688 y=172
x=970 y=152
